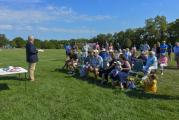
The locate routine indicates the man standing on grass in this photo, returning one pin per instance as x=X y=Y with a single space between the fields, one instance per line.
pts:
x=163 y=48
x=32 y=58
x=176 y=52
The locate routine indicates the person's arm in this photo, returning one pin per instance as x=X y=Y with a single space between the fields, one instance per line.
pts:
x=32 y=49
x=148 y=47
x=98 y=63
x=127 y=64
x=174 y=50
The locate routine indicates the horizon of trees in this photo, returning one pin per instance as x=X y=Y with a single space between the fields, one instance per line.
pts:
x=155 y=30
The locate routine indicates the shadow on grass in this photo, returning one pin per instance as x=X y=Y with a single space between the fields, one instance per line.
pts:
x=13 y=78
x=89 y=79
x=9 y=78
x=139 y=94
x=3 y=86
x=171 y=68
x=135 y=93
x=57 y=60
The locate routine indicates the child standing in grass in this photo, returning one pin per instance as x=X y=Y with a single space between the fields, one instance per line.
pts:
x=163 y=61
x=151 y=83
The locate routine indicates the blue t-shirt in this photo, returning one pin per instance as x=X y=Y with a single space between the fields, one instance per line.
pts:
x=163 y=48
x=176 y=50
x=68 y=48
x=97 y=61
x=104 y=55
x=151 y=61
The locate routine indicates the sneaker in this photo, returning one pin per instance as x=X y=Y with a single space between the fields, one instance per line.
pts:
x=70 y=72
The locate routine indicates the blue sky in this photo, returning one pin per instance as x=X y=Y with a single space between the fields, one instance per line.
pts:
x=66 y=19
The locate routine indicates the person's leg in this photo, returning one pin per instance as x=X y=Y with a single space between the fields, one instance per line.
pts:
x=70 y=67
x=107 y=72
x=90 y=69
x=96 y=72
x=112 y=80
x=161 y=68
x=74 y=67
x=31 y=71
x=122 y=78
x=177 y=61
x=66 y=64
x=169 y=56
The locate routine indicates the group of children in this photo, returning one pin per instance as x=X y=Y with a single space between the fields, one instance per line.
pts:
x=116 y=64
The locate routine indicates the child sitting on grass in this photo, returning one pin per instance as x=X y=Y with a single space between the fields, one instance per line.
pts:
x=114 y=73
x=131 y=83
x=151 y=83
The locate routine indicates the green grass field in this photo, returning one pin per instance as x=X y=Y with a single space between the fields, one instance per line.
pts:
x=57 y=96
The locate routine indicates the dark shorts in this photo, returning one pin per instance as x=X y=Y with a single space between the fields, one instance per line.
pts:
x=169 y=52
x=67 y=54
x=177 y=57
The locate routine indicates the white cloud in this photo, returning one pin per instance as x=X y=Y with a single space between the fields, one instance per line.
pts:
x=30 y=19
x=66 y=30
x=23 y=16
x=6 y=27
x=50 y=13
x=82 y=30
x=69 y=15
x=61 y=11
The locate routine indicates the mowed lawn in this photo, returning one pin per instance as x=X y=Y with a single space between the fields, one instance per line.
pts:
x=56 y=96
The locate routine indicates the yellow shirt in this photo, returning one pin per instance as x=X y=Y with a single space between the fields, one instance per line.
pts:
x=151 y=86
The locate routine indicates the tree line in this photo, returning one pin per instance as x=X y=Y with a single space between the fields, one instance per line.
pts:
x=155 y=30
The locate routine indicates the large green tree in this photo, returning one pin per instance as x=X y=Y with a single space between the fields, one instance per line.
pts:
x=19 y=42
x=3 y=40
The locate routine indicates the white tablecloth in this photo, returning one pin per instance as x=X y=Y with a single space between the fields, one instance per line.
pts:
x=8 y=72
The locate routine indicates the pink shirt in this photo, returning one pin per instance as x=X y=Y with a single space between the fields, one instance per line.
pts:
x=163 y=60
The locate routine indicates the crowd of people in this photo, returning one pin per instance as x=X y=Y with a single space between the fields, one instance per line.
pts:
x=105 y=61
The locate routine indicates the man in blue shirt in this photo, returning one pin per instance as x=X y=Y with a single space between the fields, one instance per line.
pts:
x=176 y=52
x=163 y=48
